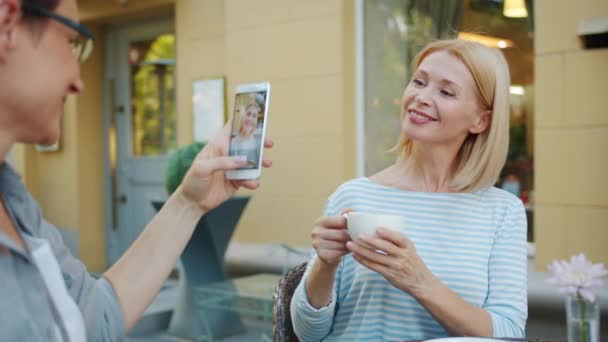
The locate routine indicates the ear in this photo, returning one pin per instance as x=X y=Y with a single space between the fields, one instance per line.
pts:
x=482 y=122
x=10 y=14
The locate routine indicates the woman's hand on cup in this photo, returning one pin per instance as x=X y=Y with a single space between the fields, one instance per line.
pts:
x=329 y=238
x=394 y=256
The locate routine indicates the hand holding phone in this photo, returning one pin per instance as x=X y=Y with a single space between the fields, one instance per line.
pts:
x=249 y=128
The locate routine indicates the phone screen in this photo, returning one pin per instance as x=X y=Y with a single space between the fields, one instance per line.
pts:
x=248 y=127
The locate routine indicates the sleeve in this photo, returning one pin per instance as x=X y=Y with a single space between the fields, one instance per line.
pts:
x=95 y=298
x=507 y=300
x=310 y=323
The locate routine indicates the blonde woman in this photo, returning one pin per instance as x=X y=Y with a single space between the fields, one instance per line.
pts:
x=245 y=143
x=459 y=266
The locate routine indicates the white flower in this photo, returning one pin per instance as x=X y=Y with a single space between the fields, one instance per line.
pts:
x=579 y=276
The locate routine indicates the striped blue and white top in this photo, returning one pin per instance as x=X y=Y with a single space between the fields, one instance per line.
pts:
x=475 y=243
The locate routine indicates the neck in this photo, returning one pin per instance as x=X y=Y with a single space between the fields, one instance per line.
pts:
x=6 y=138
x=4 y=149
x=247 y=133
x=429 y=168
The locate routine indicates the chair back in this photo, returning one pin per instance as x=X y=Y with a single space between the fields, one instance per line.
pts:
x=282 y=329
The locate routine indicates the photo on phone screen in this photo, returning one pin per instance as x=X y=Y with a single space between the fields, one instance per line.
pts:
x=248 y=125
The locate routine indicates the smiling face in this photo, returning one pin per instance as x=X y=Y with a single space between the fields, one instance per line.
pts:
x=250 y=119
x=42 y=70
x=440 y=105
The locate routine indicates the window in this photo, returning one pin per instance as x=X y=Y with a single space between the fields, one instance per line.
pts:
x=152 y=70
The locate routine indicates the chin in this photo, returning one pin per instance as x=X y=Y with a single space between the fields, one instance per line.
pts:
x=48 y=141
x=50 y=137
x=418 y=137
x=413 y=133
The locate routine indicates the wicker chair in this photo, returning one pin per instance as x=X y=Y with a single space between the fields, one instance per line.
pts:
x=282 y=329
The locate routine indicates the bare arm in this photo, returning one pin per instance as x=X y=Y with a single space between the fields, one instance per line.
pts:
x=320 y=283
x=139 y=274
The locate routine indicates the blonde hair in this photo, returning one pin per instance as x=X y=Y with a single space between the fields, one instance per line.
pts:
x=251 y=104
x=243 y=113
x=481 y=156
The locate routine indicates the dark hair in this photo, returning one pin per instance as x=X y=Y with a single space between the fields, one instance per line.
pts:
x=35 y=20
x=48 y=5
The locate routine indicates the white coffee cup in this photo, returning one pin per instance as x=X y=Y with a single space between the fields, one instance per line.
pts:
x=359 y=223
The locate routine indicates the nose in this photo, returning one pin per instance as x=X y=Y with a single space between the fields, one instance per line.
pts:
x=76 y=87
x=422 y=98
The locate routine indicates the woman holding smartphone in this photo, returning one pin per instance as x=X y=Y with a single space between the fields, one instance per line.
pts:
x=459 y=266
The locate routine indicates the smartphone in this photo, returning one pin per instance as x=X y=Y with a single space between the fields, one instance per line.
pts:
x=249 y=128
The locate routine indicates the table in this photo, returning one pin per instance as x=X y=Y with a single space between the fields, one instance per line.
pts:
x=250 y=297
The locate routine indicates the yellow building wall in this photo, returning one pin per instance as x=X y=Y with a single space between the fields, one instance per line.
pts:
x=90 y=161
x=112 y=11
x=305 y=49
x=571 y=135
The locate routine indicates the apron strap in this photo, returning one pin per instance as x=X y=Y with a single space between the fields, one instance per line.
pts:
x=67 y=310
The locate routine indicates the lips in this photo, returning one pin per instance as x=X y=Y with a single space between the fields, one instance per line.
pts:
x=417 y=116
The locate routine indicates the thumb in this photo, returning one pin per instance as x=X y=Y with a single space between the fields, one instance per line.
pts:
x=209 y=166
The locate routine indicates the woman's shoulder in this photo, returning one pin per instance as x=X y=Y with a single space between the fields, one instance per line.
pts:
x=363 y=185
x=501 y=197
x=503 y=203
x=362 y=188
x=355 y=184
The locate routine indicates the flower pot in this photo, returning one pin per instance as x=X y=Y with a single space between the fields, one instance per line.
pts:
x=583 y=319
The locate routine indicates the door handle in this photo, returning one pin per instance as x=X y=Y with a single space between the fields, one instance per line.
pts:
x=121 y=199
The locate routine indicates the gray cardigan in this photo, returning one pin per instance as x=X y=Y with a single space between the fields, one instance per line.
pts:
x=26 y=312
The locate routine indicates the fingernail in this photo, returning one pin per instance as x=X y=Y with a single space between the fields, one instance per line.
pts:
x=240 y=159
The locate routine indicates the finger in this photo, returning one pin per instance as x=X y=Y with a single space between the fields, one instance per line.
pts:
x=371 y=264
x=332 y=222
x=266 y=162
x=369 y=253
x=334 y=235
x=395 y=237
x=210 y=166
x=346 y=211
x=227 y=127
x=249 y=184
x=268 y=143
x=330 y=245
x=377 y=242
x=222 y=139
x=362 y=243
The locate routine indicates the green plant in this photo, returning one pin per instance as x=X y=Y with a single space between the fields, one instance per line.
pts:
x=179 y=163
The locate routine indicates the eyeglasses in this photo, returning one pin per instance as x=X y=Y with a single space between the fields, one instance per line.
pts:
x=82 y=45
